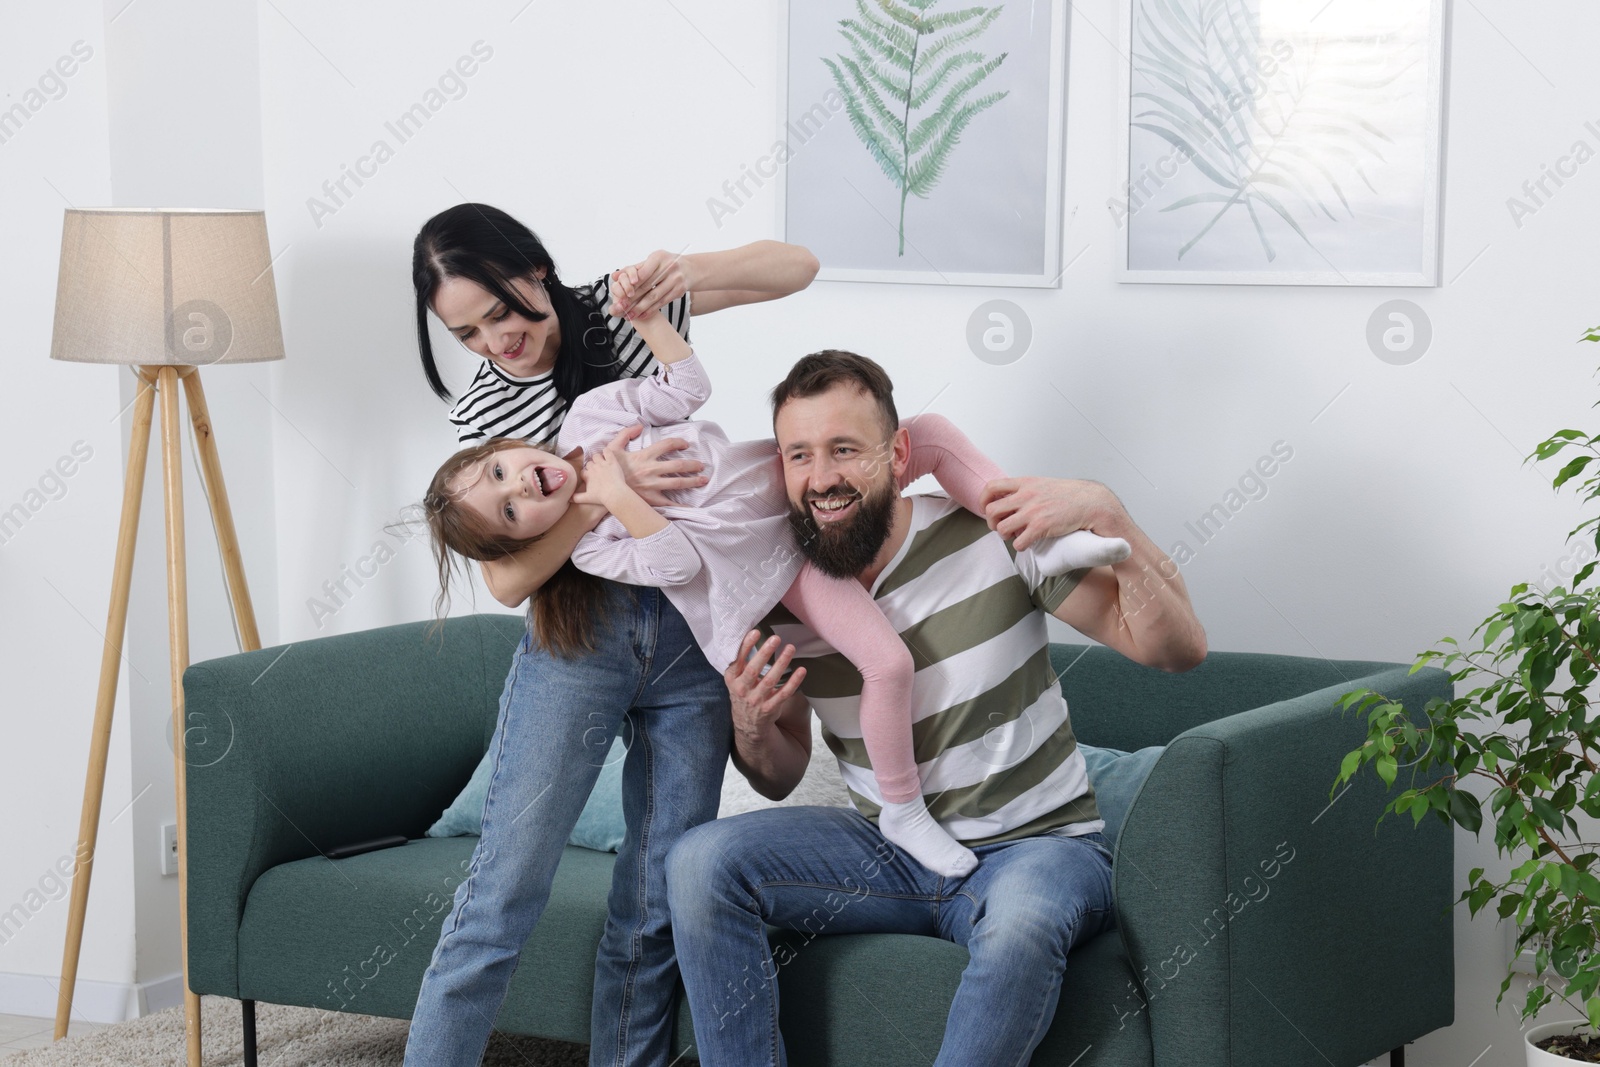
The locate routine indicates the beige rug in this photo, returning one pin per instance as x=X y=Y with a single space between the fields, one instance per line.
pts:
x=285 y=1037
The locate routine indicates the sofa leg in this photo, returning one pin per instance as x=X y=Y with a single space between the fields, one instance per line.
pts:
x=1397 y=1057
x=249 y=1010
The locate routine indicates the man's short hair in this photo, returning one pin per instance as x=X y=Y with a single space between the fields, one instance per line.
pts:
x=821 y=371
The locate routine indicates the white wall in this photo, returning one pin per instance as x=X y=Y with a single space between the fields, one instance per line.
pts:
x=164 y=113
x=55 y=570
x=1404 y=515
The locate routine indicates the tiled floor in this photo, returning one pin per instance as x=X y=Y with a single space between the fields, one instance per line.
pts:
x=19 y=1032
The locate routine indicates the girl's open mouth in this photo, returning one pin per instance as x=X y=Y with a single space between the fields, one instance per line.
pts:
x=549 y=479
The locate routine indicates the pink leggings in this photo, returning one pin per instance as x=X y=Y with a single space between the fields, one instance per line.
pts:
x=843 y=613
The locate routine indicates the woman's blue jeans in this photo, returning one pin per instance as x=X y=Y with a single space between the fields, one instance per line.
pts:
x=648 y=678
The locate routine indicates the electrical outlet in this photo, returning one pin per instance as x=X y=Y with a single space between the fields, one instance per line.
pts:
x=169 y=848
x=1524 y=962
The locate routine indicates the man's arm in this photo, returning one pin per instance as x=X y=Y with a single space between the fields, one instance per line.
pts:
x=1139 y=607
x=771 y=723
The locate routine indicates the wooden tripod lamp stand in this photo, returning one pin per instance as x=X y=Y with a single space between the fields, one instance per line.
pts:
x=165 y=292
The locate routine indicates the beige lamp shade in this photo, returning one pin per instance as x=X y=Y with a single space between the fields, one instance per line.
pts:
x=166 y=287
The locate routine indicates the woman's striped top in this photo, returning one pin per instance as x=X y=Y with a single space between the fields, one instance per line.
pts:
x=498 y=404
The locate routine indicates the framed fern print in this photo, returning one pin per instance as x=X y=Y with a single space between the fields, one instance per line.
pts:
x=921 y=140
x=1292 y=142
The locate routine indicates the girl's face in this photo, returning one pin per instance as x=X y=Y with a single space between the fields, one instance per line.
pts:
x=488 y=326
x=520 y=492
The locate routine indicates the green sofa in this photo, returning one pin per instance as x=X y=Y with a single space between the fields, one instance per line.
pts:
x=1258 y=925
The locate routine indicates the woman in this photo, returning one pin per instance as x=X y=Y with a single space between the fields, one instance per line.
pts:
x=492 y=283
x=495 y=287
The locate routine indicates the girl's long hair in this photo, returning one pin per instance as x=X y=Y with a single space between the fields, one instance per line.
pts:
x=566 y=608
x=485 y=245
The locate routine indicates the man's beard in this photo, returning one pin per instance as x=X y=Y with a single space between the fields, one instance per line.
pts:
x=846 y=548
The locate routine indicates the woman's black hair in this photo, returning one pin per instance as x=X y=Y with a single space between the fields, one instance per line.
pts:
x=485 y=245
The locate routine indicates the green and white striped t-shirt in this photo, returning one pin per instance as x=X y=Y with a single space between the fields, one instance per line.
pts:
x=993 y=742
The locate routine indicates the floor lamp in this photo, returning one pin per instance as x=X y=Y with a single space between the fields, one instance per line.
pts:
x=165 y=292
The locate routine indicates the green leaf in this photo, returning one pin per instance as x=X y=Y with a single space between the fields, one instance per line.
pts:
x=894 y=30
x=887 y=120
x=1353 y=696
x=1385 y=766
x=1570 y=470
x=954 y=40
x=1546 y=812
x=1464 y=809
x=877 y=145
x=874 y=42
x=932 y=84
x=953 y=18
x=925 y=172
x=1587 y=884
x=950 y=109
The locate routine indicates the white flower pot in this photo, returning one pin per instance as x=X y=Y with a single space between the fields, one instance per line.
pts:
x=1538 y=1057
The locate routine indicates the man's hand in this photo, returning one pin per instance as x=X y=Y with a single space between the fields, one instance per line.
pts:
x=1025 y=510
x=1139 y=607
x=771 y=721
x=756 y=696
x=651 y=476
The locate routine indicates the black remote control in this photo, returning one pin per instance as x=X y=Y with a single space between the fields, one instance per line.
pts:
x=346 y=851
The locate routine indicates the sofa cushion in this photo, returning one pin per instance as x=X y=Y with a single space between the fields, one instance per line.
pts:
x=600 y=825
x=1117 y=777
x=883 y=999
x=357 y=934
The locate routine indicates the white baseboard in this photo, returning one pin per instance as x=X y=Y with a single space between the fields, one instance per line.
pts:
x=95 y=1002
x=161 y=994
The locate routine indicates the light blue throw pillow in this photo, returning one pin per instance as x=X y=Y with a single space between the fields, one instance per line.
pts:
x=600 y=826
x=1116 y=777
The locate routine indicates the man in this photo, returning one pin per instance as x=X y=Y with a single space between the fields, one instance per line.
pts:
x=999 y=765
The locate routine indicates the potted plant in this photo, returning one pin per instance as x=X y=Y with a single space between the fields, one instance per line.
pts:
x=1531 y=736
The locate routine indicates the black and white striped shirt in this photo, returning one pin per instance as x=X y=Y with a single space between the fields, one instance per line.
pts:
x=498 y=404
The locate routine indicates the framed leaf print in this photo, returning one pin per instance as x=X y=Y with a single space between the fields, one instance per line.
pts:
x=921 y=140
x=1292 y=142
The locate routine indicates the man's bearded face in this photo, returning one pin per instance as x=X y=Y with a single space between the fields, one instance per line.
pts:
x=840 y=478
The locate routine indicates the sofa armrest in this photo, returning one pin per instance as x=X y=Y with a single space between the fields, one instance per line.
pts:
x=1266 y=926
x=1117 y=703
x=295 y=750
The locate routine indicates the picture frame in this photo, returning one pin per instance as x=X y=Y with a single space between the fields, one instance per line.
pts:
x=1337 y=111
x=993 y=213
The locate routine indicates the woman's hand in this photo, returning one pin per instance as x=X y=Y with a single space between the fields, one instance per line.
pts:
x=651 y=284
x=651 y=476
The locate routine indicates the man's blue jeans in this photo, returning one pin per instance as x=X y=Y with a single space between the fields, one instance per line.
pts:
x=557 y=719
x=1018 y=915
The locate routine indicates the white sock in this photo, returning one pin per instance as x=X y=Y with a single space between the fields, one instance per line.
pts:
x=911 y=827
x=1081 y=548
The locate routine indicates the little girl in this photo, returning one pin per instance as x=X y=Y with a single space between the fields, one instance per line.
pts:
x=726 y=554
